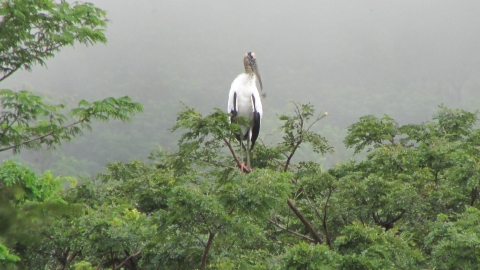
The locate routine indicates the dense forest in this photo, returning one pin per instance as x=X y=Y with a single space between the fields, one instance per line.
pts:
x=384 y=191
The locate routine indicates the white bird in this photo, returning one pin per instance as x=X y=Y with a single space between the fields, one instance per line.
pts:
x=244 y=100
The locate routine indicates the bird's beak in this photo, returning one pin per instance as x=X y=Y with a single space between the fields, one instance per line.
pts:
x=257 y=73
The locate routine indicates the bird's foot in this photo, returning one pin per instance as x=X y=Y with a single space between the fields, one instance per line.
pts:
x=244 y=168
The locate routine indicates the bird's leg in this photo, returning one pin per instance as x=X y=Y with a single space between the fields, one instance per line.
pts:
x=241 y=154
x=248 y=154
x=242 y=166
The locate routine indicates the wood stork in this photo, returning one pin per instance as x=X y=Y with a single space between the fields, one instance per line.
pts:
x=244 y=100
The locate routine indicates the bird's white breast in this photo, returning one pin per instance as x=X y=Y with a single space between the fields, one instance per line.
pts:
x=245 y=87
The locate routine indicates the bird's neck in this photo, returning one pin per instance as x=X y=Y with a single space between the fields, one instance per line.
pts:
x=248 y=68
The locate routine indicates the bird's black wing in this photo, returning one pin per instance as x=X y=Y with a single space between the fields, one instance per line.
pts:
x=233 y=110
x=256 y=124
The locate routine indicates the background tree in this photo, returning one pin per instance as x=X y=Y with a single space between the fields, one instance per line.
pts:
x=30 y=33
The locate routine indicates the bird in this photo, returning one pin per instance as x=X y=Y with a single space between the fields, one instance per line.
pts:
x=244 y=101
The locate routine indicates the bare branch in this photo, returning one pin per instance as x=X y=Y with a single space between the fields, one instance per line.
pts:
x=304 y=221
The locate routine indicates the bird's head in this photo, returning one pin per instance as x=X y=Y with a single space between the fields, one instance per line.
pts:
x=251 y=67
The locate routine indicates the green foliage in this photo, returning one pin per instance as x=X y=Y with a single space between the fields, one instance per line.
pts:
x=158 y=215
x=373 y=248
x=454 y=242
x=7 y=259
x=31 y=31
x=110 y=108
x=297 y=130
x=27 y=122
x=371 y=130
x=305 y=256
x=36 y=215
x=411 y=204
x=29 y=203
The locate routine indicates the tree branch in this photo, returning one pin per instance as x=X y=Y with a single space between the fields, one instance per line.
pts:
x=292 y=232
x=206 y=250
x=324 y=220
x=15 y=115
x=10 y=72
x=99 y=265
x=232 y=151
x=132 y=262
x=285 y=169
x=127 y=259
x=41 y=137
x=304 y=221
x=73 y=255
x=474 y=195
x=198 y=238
x=231 y=211
x=319 y=215
x=216 y=164
x=209 y=242
x=287 y=163
x=388 y=224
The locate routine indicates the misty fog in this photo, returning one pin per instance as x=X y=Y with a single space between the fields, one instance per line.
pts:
x=350 y=58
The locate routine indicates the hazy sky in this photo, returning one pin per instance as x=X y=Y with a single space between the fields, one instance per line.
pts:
x=325 y=43
x=329 y=53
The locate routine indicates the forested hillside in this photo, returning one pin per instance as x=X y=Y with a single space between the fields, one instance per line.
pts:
x=371 y=184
